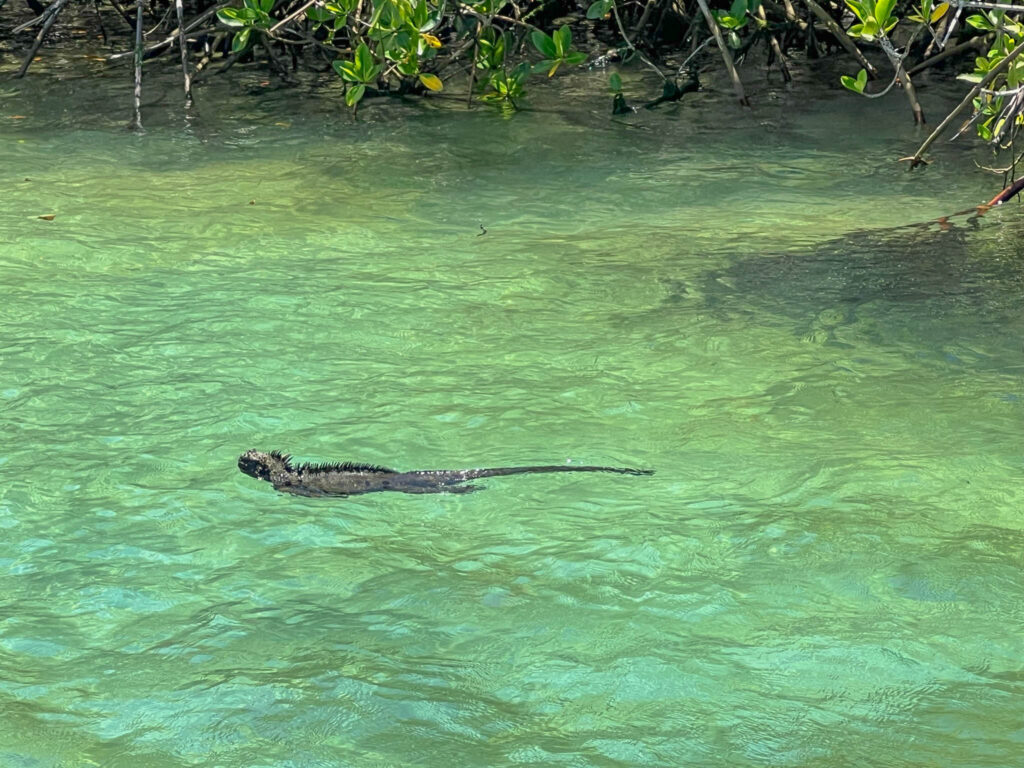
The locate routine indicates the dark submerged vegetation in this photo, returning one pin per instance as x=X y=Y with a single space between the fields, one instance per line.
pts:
x=493 y=51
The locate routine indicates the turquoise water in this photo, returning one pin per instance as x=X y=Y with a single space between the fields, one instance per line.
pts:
x=825 y=570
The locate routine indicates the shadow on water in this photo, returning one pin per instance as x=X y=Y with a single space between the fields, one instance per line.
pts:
x=937 y=282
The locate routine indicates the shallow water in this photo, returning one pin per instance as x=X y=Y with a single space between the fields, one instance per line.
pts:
x=825 y=570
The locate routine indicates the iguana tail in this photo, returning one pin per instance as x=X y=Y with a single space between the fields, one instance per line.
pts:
x=472 y=474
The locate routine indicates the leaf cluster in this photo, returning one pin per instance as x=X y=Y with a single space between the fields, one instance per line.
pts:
x=253 y=15
x=397 y=40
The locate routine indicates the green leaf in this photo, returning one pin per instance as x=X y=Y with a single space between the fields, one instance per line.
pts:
x=345 y=70
x=883 y=10
x=738 y=9
x=241 y=40
x=600 y=9
x=392 y=48
x=860 y=9
x=354 y=94
x=491 y=53
x=563 y=40
x=266 y=5
x=232 y=17
x=734 y=40
x=575 y=57
x=615 y=82
x=728 y=22
x=544 y=44
x=363 y=63
x=433 y=82
x=980 y=22
x=420 y=13
x=521 y=72
x=852 y=84
x=247 y=16
x=382 y=19
x=432 y=21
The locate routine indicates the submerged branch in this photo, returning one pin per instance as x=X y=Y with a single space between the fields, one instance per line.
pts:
x=776 y=48
x=901 y=74
x=174 y=35
x=54 y=11
x=979 y=43
x=42 y=17
x=137 y=93
x=730 y=66
x=184 y=53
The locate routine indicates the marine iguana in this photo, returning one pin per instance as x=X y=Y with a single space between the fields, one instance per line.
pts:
x=345 y=479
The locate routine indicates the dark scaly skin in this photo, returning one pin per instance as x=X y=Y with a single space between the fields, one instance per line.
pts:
x=348 y=479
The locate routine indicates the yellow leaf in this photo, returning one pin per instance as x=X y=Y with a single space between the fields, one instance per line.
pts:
x=432 y=41
x=47 y=217
x=433 y=82
x=939 y=12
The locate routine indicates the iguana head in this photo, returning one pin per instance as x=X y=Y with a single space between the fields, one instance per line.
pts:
x=264 y=466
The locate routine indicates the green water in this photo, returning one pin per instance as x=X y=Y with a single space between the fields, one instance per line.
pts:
x=826 y=569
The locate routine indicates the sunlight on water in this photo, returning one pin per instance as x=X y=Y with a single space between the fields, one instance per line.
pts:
x=825 y=570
